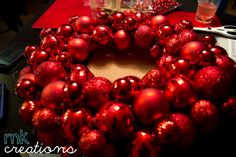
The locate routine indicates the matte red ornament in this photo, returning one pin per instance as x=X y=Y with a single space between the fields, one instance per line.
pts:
x=122 y=39
x=26 y=89
x=143 y=33
x=25 y=70
x=84 y=24
x=46 y=31
x=37 y=57
x=218 y=50
x=205 y=58
x=72 y=19
x=96 y=92
x=117 y=20
x=50 y=43
x=45 y=120
x=65 y=31
x=208 y=40
x=204 y=115
x=229 y=107
x=78 y=49
x=183 y=25
x=48 y=72
x=102 y=35
x=115 y=119
x=28 y=50
x=158 y=21
x=150 y=105
x=27 y=109
x=165 y=31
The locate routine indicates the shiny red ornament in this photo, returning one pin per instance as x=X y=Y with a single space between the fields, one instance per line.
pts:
x=64 y=58
x=52 y=95
x=205 y=58
x=72 y=19
x=48 y=72
x=122 y=39
x=143 y=33
x=92 y=143
x=84 y=24
x=191 y=50
x=27 y=109
x=179 y=66
x=165 y=31
x=164 y=61
x=188 y=35
x=26 y=89
x=72 y=121
x=50 y=43
x=37 y=57
x=204 y=115
x=218 y=50
x=208 y=40
x=183 y=25
x=96 y=92
x=115 y=119
x=46 y=31
x=65 y=31
x=28 y=76
x=186 y=129
x=172 y=45
x=102 y=35
x=45 y=120
x=78 y=49
x=117 y=20
x=180 y=92
x=158 y=21
x=130 y=23
x=150 y=105
x=25 y=70
x=102 y=18
x=140 y=18
x=212 y=83
x=28 y=50
x=229 y=107
x=155 y=51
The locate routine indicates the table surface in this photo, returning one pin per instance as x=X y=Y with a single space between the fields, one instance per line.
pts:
x=28 y=35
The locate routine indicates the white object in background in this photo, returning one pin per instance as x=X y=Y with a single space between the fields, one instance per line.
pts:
x=229 y=45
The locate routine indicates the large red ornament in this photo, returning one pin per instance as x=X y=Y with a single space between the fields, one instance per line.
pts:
x=150 y=105
x=217 y=50
x=117 y=20
x=212 y=83
x=78 y=49
x=84 y=24
x=158 y=21
x=48 y=72
x=46 y=31
x=26 y=89
x=45 y=120
x=28 y=50
x=37 y=57
x=115 y=119
x=25 y=70
x=102 y=34
x=96 y=92
x=122 y=39
x=27 y=109
x=183 y=25
x=143 y=33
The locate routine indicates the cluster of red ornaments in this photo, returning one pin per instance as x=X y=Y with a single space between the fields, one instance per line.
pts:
x=192 y=83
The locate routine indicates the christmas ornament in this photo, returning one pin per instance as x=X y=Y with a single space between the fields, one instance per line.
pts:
x=155 y=51
x=140 y=18
x=25 y=70
x=164 y=6
x=45 y=32
x=84 y=24
x=208 y=40
x=86 y=37
x=28 y=50
x=65 y=31
x=143 y=33
x=72 y=19
x=150 y=105
x=37 y=57
x=65 y=59
x=187 y=35
x=205 y=58
x=28 y=76
x=165 y=31
x=183 y=25
x=130 y=23
x=122 y=39
x=172 y=45
x=117 y=20
x=102 y=34
x=229 y=107
x=115 y=119
x=26 y=89
x=50 y=43
x=158 y=21
x=217 y=50
x=102 y=18
x=164 y=61
x=179 y=66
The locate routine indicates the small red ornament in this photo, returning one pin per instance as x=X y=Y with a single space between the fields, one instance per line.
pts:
x=84 y=24
x=122 y=39
x=25 y=70
x=172 y=45
x=165 y=31
x=205 y=58
x=86 y=37
x=217 y=50
x=179 y=66
x=134 y=83
x=180 y=92
x=143 y=33
x=102 y=35
x=150 y=105
x=117 y=20
x=212 y=83
x=128 y=12
x=45 y=120
x=229 y=107
x=26 y=89
x=72 y=19
x=155 y=51
x=102 y=18
x=188 y=35
x=115 y=119
x=46 y=31
x=28 y=50
x=27 y=109
x=64 y=58
x=208 y=40
x=164 y=61
x=92 y=143
x=96 y=92
x=65 y=31
x=50 y=43
x=158 y=21
x=37 y=57
x=130 y=23
x=48 y=72
x=204 y=115
x=140 y=18
x=78 y=49
x=183 y=25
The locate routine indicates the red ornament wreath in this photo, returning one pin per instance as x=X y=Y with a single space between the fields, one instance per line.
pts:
x=192 y=82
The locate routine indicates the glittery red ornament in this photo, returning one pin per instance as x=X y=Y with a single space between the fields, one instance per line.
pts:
x=48 y=72
x=143 y=145
x=217 y=50
x=27 y=109
x=180 y=92
x=117 y=20
x=50 y=43
x=204 y=115
x=102 y=35
x=158 y=21
x=155 y=51
x=26 y=89
x=150 y=105
x=84 y=24
x=143 y=33
x=212 y=83
x=46 y=31
x=229 y=107
x=51 y=96
x=25 y=70
x=208 y=40
x=45 y=120
x=92 y=143
x=28 y=50
x=130 y=23
x=78 y=49
x=72 y=121
x=187 y=35
x=164 y=61
x=205 y=58
x=72 y=19
x=37 y=57
x=172 y=45
x=115 y=119
x=65 y=31
x=122 y=39
x=183 y=25
x=165 y=30
x=96 y=92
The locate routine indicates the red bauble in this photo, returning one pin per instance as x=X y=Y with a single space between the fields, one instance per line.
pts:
x=102 y=35
x=150 y=105
x=208 y=40
x=48 y=72
x=37 y=57
x=84 y=24
x=191 y=50
x=52 y=95
x=65 y=31
x=117 y=20
x=92 y=143
x=115 y=119
x=158 y=21
x=155 y=51
x=64 y=58
x=153 y=79
x=102 y=18
x=204 y=115
x=180 y=92
x=122 y=39
x=25 y=70
x=172 y=45
x=45 y=120
x=26 y=89
x=164 y=61
x=72 y=19
x=217 y=50
x=86 y=37
x=72 y=121
x=128 y=12
x=28 y=50
x=143 y=33
x=28 y=76
x=183 y=25
x=205 y=58
x=78 y=49
x=140 y=18
x=27 y=109
x=143 y=145
x=96 y=92
x=165 y=30
x=212 y=83
x=179 y=66
x=130 y=24
x=187 y=36
x=51 y=139
x=229 y=108
x=50 y=43
x=46 y=31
